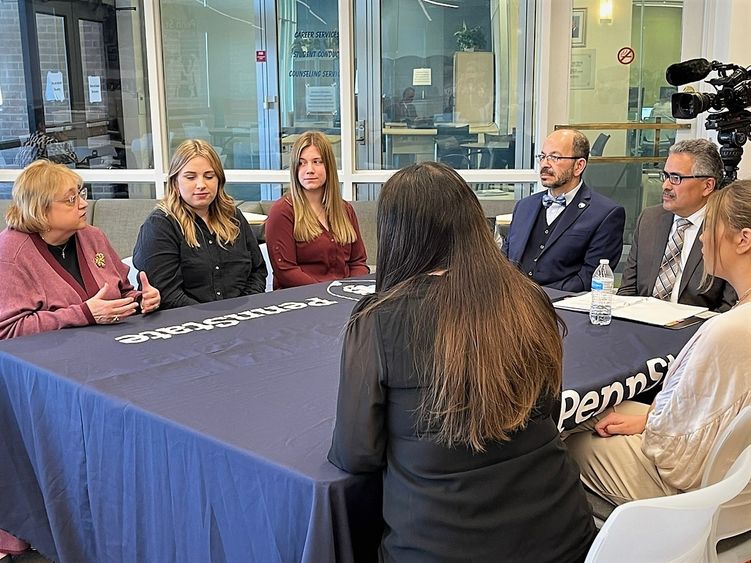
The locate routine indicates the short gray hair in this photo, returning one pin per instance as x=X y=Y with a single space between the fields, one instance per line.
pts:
x=707 y=161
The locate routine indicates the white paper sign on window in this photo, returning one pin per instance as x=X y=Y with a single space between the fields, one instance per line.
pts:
x=54 y=91
x=320 y=99
x=95 y=89
x=421 y=77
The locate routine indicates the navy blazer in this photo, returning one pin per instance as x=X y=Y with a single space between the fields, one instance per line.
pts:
x=590 y=228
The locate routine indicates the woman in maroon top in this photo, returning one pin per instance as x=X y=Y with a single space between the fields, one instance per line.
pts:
x=312 y=233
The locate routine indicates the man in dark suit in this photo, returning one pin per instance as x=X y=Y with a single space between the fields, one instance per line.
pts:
x=665 y=260
x=558 y=237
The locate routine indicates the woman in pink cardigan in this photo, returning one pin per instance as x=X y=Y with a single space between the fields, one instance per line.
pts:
x=58 y=271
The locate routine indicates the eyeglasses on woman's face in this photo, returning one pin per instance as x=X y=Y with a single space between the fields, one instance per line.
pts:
x=554 y=158
x=72 y=199
x=676 y=179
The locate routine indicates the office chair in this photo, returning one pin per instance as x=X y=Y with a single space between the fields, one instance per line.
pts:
x=457 y=161
x=479 y=157
x=598 y=147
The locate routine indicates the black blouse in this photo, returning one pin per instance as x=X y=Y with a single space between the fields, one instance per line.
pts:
x=185 y=275
x=520 y=500
x=67 y=257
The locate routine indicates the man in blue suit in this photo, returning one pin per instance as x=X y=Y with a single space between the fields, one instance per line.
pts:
x=557 y=237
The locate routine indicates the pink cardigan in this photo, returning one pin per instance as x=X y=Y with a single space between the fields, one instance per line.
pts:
x=37 y=294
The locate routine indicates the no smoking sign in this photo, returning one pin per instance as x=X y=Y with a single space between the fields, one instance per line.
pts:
x=626 y=55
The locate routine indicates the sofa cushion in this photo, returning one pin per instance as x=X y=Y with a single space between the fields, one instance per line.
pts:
x=366 y=212
x=121 y=219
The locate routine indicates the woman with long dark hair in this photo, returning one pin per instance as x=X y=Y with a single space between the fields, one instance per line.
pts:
x=312 y=233
x=450 y=379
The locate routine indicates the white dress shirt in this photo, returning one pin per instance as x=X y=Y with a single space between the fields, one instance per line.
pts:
x=689 y=236
x=554 y=210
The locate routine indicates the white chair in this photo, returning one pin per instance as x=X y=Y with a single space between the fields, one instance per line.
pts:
x=269 y=269
x=734 y=517
x=132 y=272
x=671 y=529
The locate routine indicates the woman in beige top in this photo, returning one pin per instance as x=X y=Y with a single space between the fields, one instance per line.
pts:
x=639 y=451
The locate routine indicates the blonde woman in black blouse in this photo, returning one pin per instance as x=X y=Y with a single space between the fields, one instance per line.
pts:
x=196 y=246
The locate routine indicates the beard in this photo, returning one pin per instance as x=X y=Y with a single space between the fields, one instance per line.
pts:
x=562 y=178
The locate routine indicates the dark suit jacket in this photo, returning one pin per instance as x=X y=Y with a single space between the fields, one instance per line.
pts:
x=589 y=229
x=643 y=265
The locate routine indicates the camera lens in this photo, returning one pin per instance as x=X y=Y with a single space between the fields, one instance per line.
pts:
x=687 y=105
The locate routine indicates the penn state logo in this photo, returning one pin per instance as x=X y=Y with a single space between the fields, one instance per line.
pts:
x=353 y=290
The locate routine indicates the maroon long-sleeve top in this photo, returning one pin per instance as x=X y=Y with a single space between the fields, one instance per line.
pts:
x=301 y=263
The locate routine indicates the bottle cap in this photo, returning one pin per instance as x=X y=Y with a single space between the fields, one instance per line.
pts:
x=604 y=261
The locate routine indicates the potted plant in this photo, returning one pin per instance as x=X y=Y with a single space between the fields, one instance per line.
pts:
x=469 y=38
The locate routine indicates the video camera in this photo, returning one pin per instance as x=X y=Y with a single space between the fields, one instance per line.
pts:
x=733 y=95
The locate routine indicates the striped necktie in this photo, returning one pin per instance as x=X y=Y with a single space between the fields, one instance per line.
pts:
x=671 y=262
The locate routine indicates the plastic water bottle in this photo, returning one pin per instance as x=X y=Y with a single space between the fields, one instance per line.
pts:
x=602 y=294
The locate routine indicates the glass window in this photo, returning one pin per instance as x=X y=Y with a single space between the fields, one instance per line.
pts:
x=443 y=81
x=309 y=71
x=212 y=79
x=617 y=76
x=487 y=192
x=132 y=190
x=73 y=85
x=249 y=191
x=229 y=80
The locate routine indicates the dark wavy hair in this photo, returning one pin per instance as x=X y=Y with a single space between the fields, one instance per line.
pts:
x=494 y=336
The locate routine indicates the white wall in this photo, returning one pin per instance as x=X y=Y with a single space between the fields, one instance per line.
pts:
x=739 y=52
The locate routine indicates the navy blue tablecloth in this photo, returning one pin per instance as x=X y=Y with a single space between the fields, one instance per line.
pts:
x=201 y=433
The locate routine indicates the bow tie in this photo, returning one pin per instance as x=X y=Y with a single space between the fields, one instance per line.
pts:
x=547 y=200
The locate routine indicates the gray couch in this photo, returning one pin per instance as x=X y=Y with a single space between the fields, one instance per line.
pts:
x=120 y=219
x=366 y=216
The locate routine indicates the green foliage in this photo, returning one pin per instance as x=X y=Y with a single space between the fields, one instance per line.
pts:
x=469 y=38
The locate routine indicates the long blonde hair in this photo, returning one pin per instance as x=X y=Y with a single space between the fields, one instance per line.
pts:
x=493 y=338
x=307 y=226
x=221 y=218
x=33 y=193
x=731 y=207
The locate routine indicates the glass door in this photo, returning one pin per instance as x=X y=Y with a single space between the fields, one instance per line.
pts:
x=444 y=81
x=73 y=77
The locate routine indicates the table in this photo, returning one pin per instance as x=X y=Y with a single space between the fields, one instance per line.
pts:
x=416 y=142
x=202 y=439
x=201 y=433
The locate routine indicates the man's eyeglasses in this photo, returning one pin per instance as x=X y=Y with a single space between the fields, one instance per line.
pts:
x=676 y=179
x=73 y=199
x=554 y=158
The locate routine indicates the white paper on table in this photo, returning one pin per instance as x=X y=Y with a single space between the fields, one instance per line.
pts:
x=648 y=310
x=504 y=219
x=254 y=217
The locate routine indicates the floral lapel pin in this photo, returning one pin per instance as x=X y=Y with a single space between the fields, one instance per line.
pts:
x=99 y=260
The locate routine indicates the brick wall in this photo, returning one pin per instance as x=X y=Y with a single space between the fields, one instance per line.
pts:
x=14 y=121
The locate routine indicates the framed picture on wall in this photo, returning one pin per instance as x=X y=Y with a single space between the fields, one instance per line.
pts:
x=579 y=27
